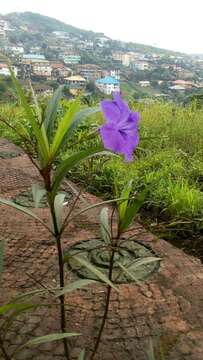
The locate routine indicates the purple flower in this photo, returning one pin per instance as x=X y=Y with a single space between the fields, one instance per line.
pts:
x=120 y=133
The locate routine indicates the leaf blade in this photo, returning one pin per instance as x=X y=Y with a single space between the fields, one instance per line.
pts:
x=82 y=355
x=51 y=111
x=78 y=284
x=104 y=226
x=95 y=271
x=132 y=210
x=37 y=194
x=58 y=206
x=71 y=161
x=63 y=128
x=48 y=338
x=24 y=210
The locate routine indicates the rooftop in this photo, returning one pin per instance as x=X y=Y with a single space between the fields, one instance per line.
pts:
x=34 y=56
x=108 y=80
x=75 y=78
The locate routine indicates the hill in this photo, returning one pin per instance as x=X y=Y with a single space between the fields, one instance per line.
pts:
x=28 y=23
x=40 y=23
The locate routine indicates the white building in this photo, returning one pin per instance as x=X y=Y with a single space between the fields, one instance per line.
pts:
x=29 y=58
x=144 y=83
x=108 y=85
x=42 y=69
x=17 y=50
x=4 y=70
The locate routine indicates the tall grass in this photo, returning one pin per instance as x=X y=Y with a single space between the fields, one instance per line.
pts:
x=169 y=160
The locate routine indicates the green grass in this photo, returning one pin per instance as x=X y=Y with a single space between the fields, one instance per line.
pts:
x=169 y=160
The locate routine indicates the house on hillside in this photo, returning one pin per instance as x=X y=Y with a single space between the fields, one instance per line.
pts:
x=43 y=90
x=141 y=65
x=115 y=73
x=42 y=69
x=108 y=85
x=90 y=72
x=75 y=84
x=29 y=58
x=145 y=83
x=185 y=84
x=59 y=71
x=71 y=59
x=36 y=65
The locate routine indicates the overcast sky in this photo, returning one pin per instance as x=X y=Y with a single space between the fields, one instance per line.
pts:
x=171 y=24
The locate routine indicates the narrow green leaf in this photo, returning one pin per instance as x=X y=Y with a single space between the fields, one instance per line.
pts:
x=21 y=309
x=78 y=284
x=48 y=338
x=132 y=210
x=37 y=107
x=58 y=206
x=24 y=210
x=71 y=161
x=1 y=256
x=51 y=111
x=101 y=276
x=143 y=261
x=36 y=292
x=127 y=272
x=125 y=194
x=13 y=306
x=78 y=118
x=82 y=355
x=37 y=192
x=23 y=100
x=39 y=133
x=104 y=225
x=150 y=352
x=63 y=127
x=135 y=264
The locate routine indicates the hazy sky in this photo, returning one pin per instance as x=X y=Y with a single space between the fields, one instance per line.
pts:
x=171 y=24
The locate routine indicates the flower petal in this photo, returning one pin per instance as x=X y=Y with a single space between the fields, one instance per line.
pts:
x=111 y=137
x=122 y=105
x=134 y=117
x=131 y=122
x=110 y=111
x=131 y=140
x=120 y=133
x=118 y=141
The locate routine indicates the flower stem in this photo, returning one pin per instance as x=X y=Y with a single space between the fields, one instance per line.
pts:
x=61 y=277
x=107 y=302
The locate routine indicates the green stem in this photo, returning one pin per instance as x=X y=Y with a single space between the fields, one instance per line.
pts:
x=107 y=302
x=61 y=276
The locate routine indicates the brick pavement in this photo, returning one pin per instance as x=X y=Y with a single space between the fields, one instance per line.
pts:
x=168 y=306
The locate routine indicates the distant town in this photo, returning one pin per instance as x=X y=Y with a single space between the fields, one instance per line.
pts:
x=90 y=62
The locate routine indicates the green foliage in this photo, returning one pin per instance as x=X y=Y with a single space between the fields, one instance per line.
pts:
x=99 y=274
x=169 y=161
x=43 y=135
x=132 y=210
x=51 y=111
x=48 y=338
